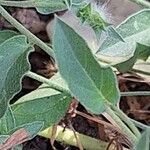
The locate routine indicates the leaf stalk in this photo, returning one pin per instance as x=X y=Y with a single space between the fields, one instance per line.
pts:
x=46 y=81
x=117 y=117
x=23 y=30
x=121 y=124
x=125 y=118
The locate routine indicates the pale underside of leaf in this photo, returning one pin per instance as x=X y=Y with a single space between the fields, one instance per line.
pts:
x=141 y=52
x=136 y=29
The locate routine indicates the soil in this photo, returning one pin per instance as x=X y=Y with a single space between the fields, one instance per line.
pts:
x=137 y=108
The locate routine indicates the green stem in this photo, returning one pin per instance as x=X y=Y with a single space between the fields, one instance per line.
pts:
x=123 y=127
x=140 y=125
x=24 y=31
x=137 y=93
x=127 y=120
x=68 y=137
x=142 y=3
x=46 y=81
x=58 y=88
x=31 y=4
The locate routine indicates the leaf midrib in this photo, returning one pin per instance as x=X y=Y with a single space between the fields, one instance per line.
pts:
x=81 y=66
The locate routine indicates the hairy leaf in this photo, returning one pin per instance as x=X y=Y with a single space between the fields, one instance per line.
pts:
x=144 y=141
x=3 y=138
x=7 y=122
x=18 y=147
x=111 y=32
x=44 y=104
x=31 y=128
x=58 y=80
x=78 y=1
x=141 y=52
x=13 y=64
x=24 y=133
x=6 y=34
x=86 y=32
x=89 y=82
x=136 y=29
x=89 y=15
x=52 y=6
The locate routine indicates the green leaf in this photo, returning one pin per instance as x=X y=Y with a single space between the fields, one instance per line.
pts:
x=58 y=80
x=86 y=32
x=89 y=82
x=43 y=104
x=111 y=32
x=136 y=29
x=18 y=147
x=52 y=6
x=144 y=141
x=31 y=128
x=6 y=34
x=3 y=138
x=87 y=14
x=77 y=2
x=13 y=64
x=141 y=52
x=7 y=122
x=25 y=133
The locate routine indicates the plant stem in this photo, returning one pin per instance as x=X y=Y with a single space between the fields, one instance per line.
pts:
x=68 y=137
x=123 y=127
x=140 y=125
x=142 y=3
x=58 y=88
x=31 y=4
x=46 y=81
x=141 y=71
x=24 y=31
x=127 y=120
x=136 y=93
